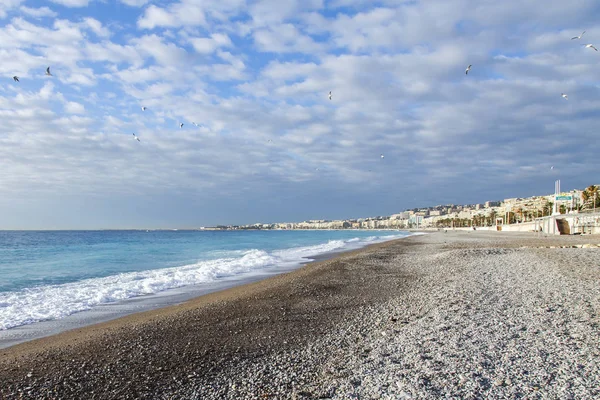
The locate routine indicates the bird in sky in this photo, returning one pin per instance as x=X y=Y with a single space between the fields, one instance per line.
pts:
x=578 y=37
x=382 y=156
x=144 y=108
x=48 y=72
x=552 y=167
x=136 y=138
x=181 y=125
x=329 y=95
x=195 y=124
x=564 y=95
x=468 y=69
x=591 y=46
x=16 y=78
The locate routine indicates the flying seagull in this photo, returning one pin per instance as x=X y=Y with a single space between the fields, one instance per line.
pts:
x=48 y=72
x=552 y=167
x=330 y=95
x=591 y=46
x=181 y=125
x=382 y=157
x=136 y=138
x=468 y=69
x=16 y=78
x=195 y=124
x=144 y=108
x=578 y=37
x=565 y=96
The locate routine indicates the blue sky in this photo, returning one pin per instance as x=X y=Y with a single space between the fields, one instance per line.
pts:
x=254 y=76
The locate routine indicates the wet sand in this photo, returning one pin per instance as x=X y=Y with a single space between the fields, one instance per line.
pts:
x=289 y=336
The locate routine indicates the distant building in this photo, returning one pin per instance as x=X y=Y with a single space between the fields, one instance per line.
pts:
x=525 y=209
x=489 y=204
x=415 y=219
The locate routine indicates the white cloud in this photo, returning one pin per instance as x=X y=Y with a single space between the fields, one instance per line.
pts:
x=209 y=45
x=18 y=62
x=285 y=38
x=140 y=75
x=135 y=3
x=21 y=33
x=72 y=3
x=235 y=69
x=38 y=12
x=113 y=53
x=83 y=76
x=72 y=107
x=163 y=52
x=373 y=29
x=274 y=12
x=288 y=70
x=7 y=5
x=155 y=16
x=189 y=13
x=96 y=26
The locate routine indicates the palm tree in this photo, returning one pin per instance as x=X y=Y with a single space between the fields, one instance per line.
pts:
x=493 y=217
x=518 y=213
x=590 y=195
x=547 y=210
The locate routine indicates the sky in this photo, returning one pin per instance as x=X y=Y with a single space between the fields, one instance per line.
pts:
x=270 y=146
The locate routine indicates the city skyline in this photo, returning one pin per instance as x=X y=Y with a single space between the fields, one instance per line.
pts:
x=261 y=140
x=405 y=218
x=522 y=208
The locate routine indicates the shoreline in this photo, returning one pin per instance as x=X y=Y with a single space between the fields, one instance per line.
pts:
x=110 y=311
x=86 y=319
x=299 y=334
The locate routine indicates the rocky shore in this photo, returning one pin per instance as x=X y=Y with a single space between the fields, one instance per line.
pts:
x=457 y=314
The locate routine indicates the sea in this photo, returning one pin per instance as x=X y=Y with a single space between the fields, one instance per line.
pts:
x=51 y=281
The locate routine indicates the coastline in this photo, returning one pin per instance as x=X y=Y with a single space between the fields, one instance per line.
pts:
x=284 y=336
x=149 y=304
x=109 y=311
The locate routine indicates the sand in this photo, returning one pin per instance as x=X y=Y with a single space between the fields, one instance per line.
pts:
x=458 y=314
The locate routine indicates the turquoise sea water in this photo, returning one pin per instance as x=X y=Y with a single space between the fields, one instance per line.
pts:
x=48 y=275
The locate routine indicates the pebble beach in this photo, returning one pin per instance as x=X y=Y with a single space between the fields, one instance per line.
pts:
x=457 y=314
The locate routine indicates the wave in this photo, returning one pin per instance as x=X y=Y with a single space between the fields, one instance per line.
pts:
x=58 y=301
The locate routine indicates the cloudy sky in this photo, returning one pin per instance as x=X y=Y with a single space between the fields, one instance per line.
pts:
x=270 y=146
